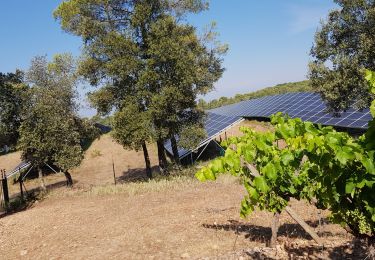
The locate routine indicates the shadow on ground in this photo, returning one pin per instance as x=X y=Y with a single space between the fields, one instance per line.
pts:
x=356 y=249
x=136 y=175
x=18 y=204
x=260 y=233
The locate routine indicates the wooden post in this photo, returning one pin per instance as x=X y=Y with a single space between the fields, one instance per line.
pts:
x=114 y=172
x=20 y=180
x=304 y=225
x=5 y=188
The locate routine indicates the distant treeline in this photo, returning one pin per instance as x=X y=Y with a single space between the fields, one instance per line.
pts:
x=275 y=90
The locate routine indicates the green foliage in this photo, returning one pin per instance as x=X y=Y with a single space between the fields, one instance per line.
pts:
x=132 y=126
x=104 y=120
x=370 y=134
x=316 y=163
x=302 y=86
x=343 y=48
x=50 y=130
x=12 y=91
x=191 y=136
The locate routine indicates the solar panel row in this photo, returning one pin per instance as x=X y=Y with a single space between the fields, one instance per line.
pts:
x=307 y=106
x=304 y=105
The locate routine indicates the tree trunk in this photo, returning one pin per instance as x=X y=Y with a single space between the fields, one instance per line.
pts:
x=41 y=179
x=69 y=180
x=176 y=156
x=162 y=158
x=275 y=229
x=147 y=161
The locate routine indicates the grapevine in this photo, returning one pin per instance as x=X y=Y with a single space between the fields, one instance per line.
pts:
x=314 y=163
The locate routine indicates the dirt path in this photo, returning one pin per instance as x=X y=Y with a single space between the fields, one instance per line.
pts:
x=200 y=220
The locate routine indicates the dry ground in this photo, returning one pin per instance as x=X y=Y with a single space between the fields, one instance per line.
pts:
x=164 y=219
x=181 y=220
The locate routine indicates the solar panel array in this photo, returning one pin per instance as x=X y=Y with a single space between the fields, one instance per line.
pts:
x=214 y=124
x=307 y=106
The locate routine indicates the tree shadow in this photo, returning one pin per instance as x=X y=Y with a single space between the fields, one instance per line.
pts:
x=260 y=233
x=356 y=249
x=136 y=175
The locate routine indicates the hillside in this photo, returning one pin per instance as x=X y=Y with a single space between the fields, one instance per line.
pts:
x=168 y=218
x=95 y=169
x=275 y=90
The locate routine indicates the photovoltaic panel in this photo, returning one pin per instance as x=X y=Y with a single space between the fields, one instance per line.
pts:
x=214 y=125
x=19 y=167
x=305 y=105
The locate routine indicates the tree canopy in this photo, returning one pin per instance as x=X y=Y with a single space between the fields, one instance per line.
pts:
x=12 y=90
x=145 y=59
x=50 y=130
x=344 y=47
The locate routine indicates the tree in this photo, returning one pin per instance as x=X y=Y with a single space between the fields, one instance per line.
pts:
x=180 y=67
x=122 y=53
x=12 y=90
x=133 y=129
x=50 y=131
x=343 y=48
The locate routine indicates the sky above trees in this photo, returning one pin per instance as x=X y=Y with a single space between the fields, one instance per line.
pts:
x=269 y=40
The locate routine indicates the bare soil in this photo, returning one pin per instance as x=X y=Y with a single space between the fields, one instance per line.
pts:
x=198 y=221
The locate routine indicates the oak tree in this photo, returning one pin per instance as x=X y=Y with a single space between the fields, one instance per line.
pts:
x=12 y=91
x=343 y=49
x=50 y=131
x=144 y=59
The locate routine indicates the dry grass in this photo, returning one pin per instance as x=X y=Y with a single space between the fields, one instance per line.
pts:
x=10 y=161
x=159 y=184
x=256 y=125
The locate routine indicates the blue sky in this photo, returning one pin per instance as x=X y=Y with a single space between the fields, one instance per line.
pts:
x=269 y=40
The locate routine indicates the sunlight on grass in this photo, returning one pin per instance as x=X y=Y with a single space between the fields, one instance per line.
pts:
x=158 y=184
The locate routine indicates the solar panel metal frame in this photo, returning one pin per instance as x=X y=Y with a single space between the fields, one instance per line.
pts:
x=22 y=165
x=212 y=128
